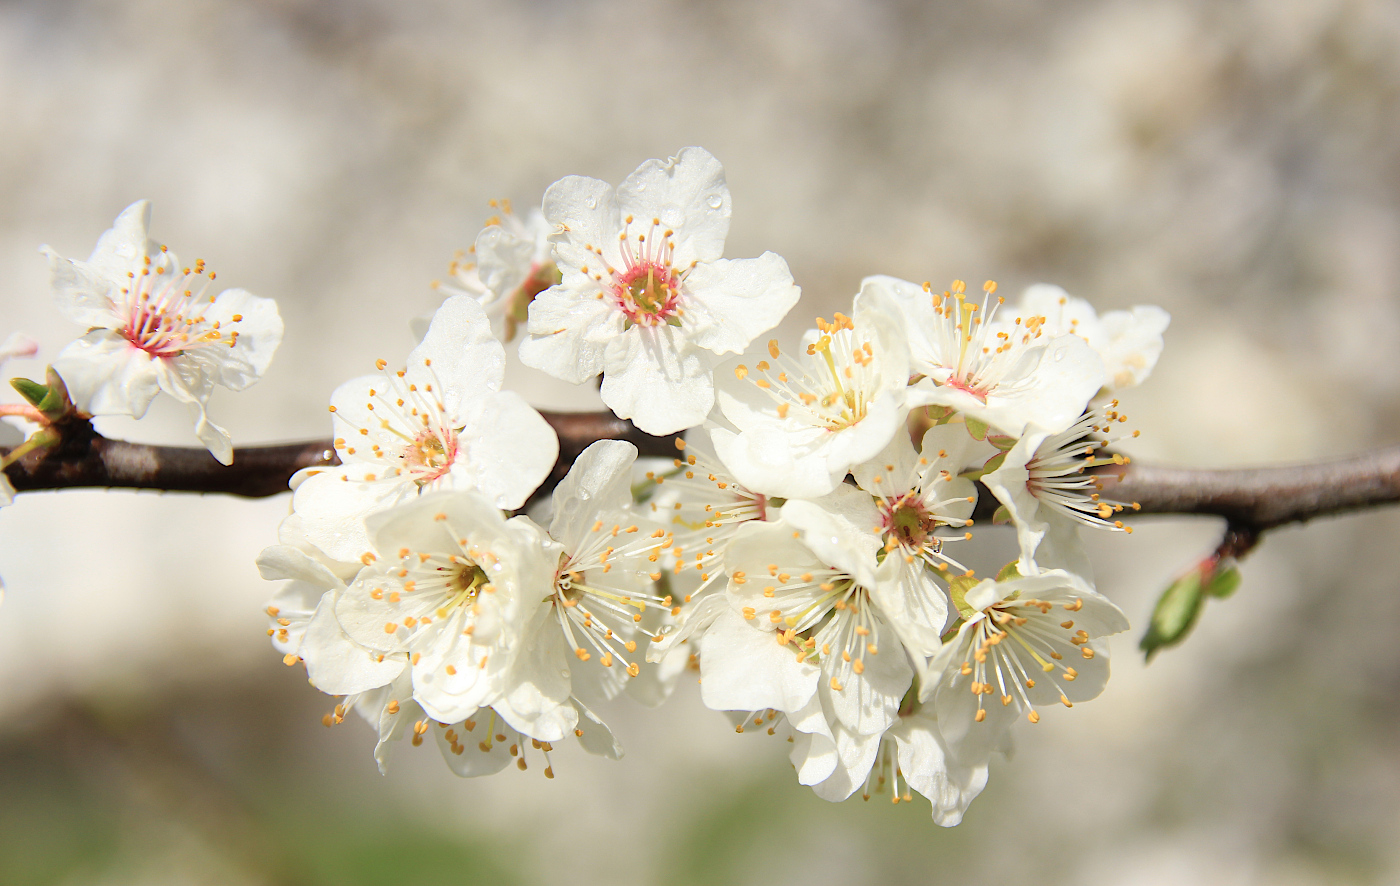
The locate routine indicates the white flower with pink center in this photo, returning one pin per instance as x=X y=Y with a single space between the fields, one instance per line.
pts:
x=154 y=326
x=1001 y=371
x=645 y=298
x=440 y=423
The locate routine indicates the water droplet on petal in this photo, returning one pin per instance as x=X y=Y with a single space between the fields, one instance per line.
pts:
x=584 y=495
x=1059 y=355
x=591 y=202
x=835 y=540
x=715 y=201
x=564 y=672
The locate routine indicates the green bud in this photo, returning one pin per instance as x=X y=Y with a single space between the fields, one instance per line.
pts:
x=1174 y=615
x=30 y=390
x=976 y=428
x=1009 y=571
x=1001 y=516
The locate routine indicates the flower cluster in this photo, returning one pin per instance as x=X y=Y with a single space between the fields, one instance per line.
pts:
x=807 y=548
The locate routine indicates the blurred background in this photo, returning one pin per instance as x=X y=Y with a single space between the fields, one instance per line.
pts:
x=1238 y=164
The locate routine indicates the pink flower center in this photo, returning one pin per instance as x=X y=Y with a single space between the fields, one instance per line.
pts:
x=431 y=454
x=647 y=288
x=163 y=311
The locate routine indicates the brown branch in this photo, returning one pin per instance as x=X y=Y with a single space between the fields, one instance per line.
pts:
x=1251 y=500
x=85 y=459
x=1262 y=498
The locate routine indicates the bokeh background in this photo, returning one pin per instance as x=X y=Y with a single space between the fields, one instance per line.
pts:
x=1236 y=163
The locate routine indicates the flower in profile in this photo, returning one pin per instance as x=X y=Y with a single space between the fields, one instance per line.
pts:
x=645 y=297
x=510 y=263
x=440 y=423
x=800 y=424
x=1024 y=642
x=1128 y=342
x=1003 y=372
x=155 y=326
x=606 y=566
x=1046 y=493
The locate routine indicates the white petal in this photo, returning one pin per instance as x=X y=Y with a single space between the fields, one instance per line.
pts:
x=654 y=379
x=259 y=330
x=507 y=448
x=337 y=665
x=568 y=333
x=466 y=358
x=688 y=194
x=855 y=755
x=925 y=763
x=744 y=669
x=599 y=480
x=106 y=375
x=866 y=703
x=742 y=299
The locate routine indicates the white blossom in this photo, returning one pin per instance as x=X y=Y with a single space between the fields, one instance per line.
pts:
x=1042 y=484
x=1128 y=342
x=1003 y=372
x=1024 y=642
x=153 y=326
x=703 y=506
x=510 y=263
x=819 y=612
x=645 y=298
x=891 y=531
x=799 y=425
x=453 y=586
x=440 y=423
x=607 y=561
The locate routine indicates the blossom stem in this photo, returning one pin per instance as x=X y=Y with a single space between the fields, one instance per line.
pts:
x=1255 y=499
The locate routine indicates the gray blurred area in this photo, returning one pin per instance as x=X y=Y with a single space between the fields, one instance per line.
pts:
x=1236 y=163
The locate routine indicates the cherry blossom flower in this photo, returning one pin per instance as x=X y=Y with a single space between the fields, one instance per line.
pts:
x=451 y=585
x=821 y=613
x=998 y=371
x=645 y=298
x=1128 y=342
x=979 y=683
x=1042 y=485
x=799 y=425
x=440 y=423
x=510 y=263
x=603 y=584
x=892 y=530
x=153 y=326
x=705 y=506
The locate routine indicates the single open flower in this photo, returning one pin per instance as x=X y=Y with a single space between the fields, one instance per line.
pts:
x=1024 y=642
x=998 y=370
x=439 y=423
x=645 y=297
x=153 y=326
x=802 y=422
